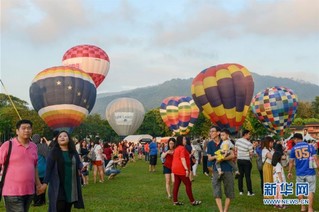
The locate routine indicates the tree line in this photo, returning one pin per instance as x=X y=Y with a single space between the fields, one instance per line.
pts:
x=94 y=125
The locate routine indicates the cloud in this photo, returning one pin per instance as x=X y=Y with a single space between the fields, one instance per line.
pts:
x=58 y=19
x=266 y=18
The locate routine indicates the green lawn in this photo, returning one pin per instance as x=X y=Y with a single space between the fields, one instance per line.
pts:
x=135 y=189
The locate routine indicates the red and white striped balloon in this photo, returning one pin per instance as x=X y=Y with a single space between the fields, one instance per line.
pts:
x=91 y=59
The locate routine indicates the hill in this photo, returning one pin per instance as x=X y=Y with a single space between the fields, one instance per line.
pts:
x=152 y=96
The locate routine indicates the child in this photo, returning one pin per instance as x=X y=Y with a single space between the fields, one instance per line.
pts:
x=278 y=172
x=85 y=170
x=224 y=151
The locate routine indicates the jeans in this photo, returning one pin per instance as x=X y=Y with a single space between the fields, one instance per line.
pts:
x=244 y=167
x=18 y=203
x=112 y=171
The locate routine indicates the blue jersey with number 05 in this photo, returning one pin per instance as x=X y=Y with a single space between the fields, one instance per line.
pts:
x=301 y=152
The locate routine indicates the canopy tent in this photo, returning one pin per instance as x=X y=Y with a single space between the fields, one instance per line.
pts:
x=137 y=138
x=306 y=137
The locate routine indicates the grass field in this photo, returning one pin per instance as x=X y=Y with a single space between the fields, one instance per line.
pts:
x=135 y=189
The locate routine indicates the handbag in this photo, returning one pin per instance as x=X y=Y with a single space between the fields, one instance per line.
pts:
x=5 y=167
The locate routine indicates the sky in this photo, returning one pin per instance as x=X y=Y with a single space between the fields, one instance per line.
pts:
x=150 y=42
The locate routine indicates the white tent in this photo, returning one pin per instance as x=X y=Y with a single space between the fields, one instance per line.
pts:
x=137 y=138
x=308 y=137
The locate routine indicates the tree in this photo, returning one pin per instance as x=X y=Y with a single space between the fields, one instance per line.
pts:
x=315 y=107
x=9 y=118
x=94 y=126
x=154 y=125
x=252 y=124
x=304 y=110
x=201 y=127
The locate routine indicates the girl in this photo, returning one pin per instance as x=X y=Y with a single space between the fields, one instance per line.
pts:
x=267 y=151
x=62 y=173
x=278 y=172
x=167 y=157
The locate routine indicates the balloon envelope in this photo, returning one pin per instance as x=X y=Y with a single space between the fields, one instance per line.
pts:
x=62 y=96
x=91 y=59
x=224 y=94
x=125 y=115
x=179 y=113
x=275 y=108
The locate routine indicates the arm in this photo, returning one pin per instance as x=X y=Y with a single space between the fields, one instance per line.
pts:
x=48 y=172
x=185 y=166
x=230 y=156
x=269 y=155
x=280 y=176
x=37 y=179
x=291 y=163
x=210 y=157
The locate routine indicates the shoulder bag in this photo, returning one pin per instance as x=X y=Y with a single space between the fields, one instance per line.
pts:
x=5 y=167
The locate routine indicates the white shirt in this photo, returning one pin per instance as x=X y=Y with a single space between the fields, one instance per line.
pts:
x=98 y=150
x=109 y=166
x=278 y=169
x=264 y=153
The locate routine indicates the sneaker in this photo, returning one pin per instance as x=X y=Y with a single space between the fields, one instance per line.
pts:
x=250 y=194
x=241 y=193
x=206 y=174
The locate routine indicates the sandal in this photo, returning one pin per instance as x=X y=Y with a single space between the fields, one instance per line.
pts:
x=196 y=202
x=178 y=203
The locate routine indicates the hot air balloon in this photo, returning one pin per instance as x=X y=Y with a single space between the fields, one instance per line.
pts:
x=223 y=93
x=179 y=113
x=63 y=96
x=125 y=115
x=91 y=59
x=275 y=108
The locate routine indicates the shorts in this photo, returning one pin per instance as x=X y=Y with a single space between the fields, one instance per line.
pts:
x=166 y=170
x=311 y=179
x=97 y=163
x=85 y=173
x=153 y=160
x=228 y=180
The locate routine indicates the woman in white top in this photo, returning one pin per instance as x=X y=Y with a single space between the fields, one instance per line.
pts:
x=267 y=151
x=98 y=163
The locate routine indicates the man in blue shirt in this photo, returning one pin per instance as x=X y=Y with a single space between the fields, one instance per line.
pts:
x=153 y=155
x=301 y=153
x=227 y=178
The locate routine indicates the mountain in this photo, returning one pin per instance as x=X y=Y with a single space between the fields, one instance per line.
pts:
x=152 y=96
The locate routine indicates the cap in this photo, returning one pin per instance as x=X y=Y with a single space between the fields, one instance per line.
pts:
x=298 y=136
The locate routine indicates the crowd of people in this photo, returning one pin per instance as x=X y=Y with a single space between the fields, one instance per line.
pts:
x=226 y=160
x=57 y=163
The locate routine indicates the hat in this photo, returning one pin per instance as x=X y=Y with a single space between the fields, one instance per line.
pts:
x=298 y=136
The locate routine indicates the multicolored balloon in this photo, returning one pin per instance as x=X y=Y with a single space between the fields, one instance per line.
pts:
x=63 y=96
x=179 y=113
x=223 y=93
x=91 y=59
x=125 y=115
x=275 y=108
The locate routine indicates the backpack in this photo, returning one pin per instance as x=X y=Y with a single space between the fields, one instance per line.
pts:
x=92 y=155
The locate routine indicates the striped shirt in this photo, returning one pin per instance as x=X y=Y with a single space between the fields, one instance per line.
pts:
x=243 y=148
